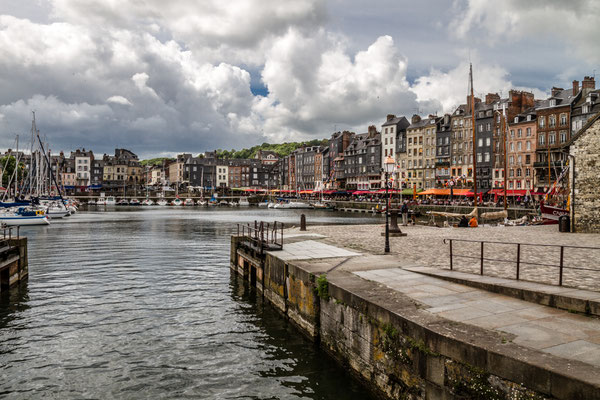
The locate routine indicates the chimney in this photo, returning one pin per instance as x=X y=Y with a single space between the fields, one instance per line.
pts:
x=477 y=100
x=432 y=116
x=390 y=117
x=491 y=97
x=557 y=90
x=415 y=119
x=575 y=87
x=372 y=131
x=588 y=83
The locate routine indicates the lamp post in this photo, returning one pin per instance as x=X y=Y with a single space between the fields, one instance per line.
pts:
x=388 y=168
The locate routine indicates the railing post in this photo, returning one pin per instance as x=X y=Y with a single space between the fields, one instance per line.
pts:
x=481 y=267
x=560 y=277
x=518 y=259
x=450 y=254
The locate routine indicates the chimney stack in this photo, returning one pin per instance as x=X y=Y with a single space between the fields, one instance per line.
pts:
x=372 y=131
x=491 y=98
x=575 y=87
x=588 y=83
x=415 y=119
x=390 y=117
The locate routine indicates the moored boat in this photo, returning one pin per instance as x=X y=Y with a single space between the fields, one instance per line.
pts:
x=147 y=202
x=134 y=202
x=162 y=202
x=551 y=214
x=123 y=202
x=177 y=202
x=188 y=202
x=244 y=202
x=24 y=216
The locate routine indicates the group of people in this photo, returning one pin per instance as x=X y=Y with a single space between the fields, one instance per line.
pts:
x=465 y=223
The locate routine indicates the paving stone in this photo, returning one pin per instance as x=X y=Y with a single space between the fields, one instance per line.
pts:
x=581 y=349
x=497 y=320
x=532 y=335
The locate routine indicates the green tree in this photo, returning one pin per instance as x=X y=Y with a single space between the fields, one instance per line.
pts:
x=7 y=163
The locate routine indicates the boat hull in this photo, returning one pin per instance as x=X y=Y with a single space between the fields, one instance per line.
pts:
x=551 y=214
x=23 y=221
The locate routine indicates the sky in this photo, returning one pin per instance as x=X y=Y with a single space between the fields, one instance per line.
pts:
x=161 y=78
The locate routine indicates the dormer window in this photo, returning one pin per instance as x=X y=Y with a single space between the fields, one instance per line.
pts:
x=552 y=102
x=585 y=109
x=516 y=120
x=529 y=117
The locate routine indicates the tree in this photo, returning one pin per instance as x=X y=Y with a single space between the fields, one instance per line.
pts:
x=7 y=163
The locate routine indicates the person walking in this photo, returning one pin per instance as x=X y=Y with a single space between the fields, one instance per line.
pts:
x=404 y=212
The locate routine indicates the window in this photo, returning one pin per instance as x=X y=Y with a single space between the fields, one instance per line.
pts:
x=511 y=160
x=551 y=121
x=392 y=140
x=480 y=142
x=480 y=127
x=512 y=147
x=511 y=173
x=542 y=122
x=542 y=138
x=488 y=127
x=585 y=109
x=488 y=141
x=487 y=157
x=386 y=141
x=527 y=171
x=563 y=119
x=552 y=138
x=518 y=146
x=409 y=163
x=385 y=152
x=512 y=133
x=519 y=132
x=528 y=145
x=519 y=159
x=528 y=132
x=479 y=158
x=386 y=130
x=563 y=136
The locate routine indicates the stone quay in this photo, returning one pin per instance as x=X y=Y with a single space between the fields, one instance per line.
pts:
x=14 y=267
x=411 y=328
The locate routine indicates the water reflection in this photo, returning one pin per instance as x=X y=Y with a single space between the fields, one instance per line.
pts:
x=141 y=304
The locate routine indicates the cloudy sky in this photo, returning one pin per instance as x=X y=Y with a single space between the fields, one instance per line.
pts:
x=162 y=77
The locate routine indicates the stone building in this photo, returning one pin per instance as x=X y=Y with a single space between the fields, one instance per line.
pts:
x=584 y=152
x=362 y=161
x=338 y=143
x=521 y=146
x=442 y=151
x=484 y=119
x=461 y=152
x=553 y=131
x=586 y=105
x=517 y=102
x=393 y=142
x=420 y=152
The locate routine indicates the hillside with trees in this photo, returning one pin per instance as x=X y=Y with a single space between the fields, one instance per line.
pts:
x=281 y=149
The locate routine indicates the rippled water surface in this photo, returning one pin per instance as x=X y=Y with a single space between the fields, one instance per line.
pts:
x=141 y=304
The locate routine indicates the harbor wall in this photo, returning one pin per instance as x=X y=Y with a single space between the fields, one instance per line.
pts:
x=14 y=266
x=396 y=349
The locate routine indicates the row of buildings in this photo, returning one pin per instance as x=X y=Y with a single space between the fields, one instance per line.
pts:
x=530 y=135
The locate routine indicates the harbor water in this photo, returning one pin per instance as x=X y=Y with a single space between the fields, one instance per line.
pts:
x=140 y=303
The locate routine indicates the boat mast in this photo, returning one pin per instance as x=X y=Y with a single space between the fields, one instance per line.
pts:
x=16 y=169
x=504 y=139
x=474 y=138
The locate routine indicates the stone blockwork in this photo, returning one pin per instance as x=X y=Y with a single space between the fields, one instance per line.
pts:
x=399 y=350
x=585 y=152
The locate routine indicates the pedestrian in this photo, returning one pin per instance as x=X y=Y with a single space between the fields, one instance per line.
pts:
x=404 y=212
x=473 y=222
x=463 y=223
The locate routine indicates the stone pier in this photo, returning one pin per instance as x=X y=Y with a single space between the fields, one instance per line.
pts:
x=409 y=334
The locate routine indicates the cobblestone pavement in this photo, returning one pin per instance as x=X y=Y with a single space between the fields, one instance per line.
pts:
x=424 y=246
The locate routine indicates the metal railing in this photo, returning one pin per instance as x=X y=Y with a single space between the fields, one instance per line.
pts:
x=9 y=229
x=263 y=235
x=517 y=258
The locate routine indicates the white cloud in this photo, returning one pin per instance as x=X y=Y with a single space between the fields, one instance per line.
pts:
x=118 y=100
x=574 y=23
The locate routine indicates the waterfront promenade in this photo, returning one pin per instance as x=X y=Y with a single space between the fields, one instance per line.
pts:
x=547 y=349
x=424 y=246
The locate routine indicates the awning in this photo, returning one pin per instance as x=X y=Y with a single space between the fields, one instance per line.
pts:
x=329 y=191
x=305 y=192
x=514 y=192
x=359 y=192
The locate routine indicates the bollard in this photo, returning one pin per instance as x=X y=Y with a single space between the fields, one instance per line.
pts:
x=394 y=221
x=302 y=222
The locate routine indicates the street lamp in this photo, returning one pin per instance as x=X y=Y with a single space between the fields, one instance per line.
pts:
x=388 y=167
